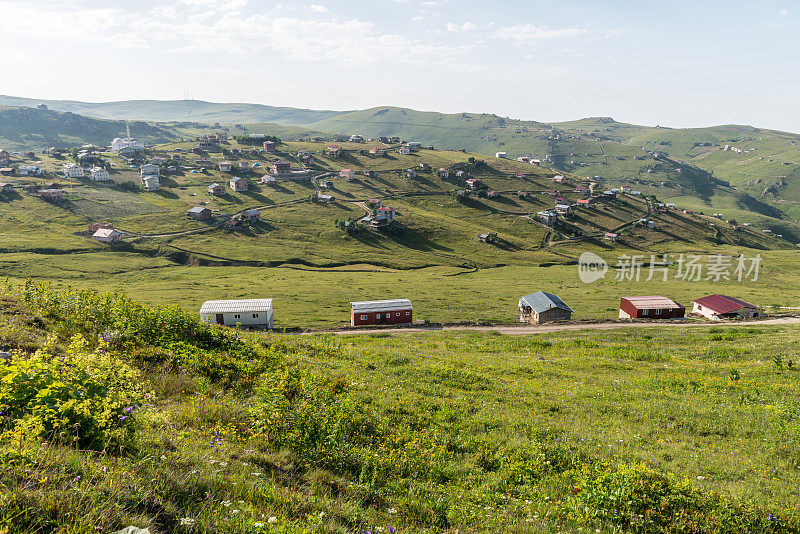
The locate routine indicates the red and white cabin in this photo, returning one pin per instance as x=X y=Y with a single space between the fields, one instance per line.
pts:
x=371 y=312
x=652 y=307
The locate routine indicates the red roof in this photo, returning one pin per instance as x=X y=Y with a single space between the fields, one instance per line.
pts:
x=723 y=304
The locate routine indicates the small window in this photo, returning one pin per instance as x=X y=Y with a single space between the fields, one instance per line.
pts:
x=363 y=317
x=645 y=312
x=255 y=316
x=408 y=313
x=397 y=314
x=658 y=312
x=236 y=316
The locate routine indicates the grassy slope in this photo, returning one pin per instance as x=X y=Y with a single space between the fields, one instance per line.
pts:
x=179 y=110
x=464 y=432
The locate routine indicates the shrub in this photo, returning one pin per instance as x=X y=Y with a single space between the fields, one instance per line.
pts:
x=86 y=398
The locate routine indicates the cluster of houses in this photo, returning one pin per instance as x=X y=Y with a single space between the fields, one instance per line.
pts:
x=536 y=308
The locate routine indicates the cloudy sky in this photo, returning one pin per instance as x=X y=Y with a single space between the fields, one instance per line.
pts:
x=676 y=63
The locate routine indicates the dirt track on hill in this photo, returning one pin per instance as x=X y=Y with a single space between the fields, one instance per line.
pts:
x=524 y=329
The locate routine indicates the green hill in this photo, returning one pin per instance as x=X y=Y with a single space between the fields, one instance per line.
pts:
x=178 y=111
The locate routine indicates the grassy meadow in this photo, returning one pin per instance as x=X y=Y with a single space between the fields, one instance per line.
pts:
x=216 y=430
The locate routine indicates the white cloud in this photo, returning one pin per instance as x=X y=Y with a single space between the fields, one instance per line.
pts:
x=527 y=33
x=417 y=18
x=223 y=25
x=784 y=12
x=317 y=8
x=466 y=27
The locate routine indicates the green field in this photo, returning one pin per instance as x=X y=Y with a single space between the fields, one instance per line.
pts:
x=215 y=430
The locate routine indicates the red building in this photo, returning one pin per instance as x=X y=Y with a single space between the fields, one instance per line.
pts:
x=398 y=311
x=653 y=307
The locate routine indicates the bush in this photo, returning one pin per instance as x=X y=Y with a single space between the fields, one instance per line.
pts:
x=86 y=398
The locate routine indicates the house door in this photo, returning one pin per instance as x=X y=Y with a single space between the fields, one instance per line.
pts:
x=383 y=317
x=220 y=319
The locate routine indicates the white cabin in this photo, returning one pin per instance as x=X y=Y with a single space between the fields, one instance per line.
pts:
x=246 y=312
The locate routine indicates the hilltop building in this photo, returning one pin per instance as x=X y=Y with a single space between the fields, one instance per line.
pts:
x=247 y=312
x=721 y=307
x=652 y=307
x=541 y=307
x=99 y=174
x=374 y=312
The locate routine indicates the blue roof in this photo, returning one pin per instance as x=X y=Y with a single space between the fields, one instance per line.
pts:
x=541 y=301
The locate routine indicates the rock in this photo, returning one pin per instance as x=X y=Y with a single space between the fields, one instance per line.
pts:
x=132 y=530
x=6 y=357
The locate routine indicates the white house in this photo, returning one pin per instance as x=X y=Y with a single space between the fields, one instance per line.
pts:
x=151 y=182
x=108 y=235
x=404 y=150
x=238 y=184
x=121 y=143
x=347 y=174
x=720 y=307
x=99 y=174
x=148 y=169
x=247 y=312
x=501 y=155
x=29 y=170
x=73 y=171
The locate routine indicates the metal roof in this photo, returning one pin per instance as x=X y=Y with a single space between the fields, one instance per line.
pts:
x=723 y=303
x=236 y=306
x=198 y=209
x=652 y=302
x=541 y=301
x=381 y=305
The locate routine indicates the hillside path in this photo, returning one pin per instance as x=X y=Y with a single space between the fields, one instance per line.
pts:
x=526 y=329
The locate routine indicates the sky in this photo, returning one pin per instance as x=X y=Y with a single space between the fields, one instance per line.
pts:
x=677 y=63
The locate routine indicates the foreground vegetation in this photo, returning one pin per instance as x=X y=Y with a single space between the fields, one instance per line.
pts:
x=196 y=428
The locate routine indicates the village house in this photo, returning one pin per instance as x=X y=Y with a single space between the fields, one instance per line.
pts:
x=501 y=155
x=383 y=216
x=721 y=307
x=245 y=312
x=151 y=182
x=492 y=194
x=524 y=159
x=652 y=307
x=268 y=180
x=108 y=235
x=216 y=190
x=238 y=184
x=251 y=215
x=326 y=184
x=148 y=169
x=583 y=201
x=280 y=168
x=356 y=139
x=541 y=307
x=347 y=174
x=444 y=173
x=487 y=237
x=564 y=210
x=244 y=166
x=157 y=160
x=99 y=174
x=6 y=187
x=5 y=171
x=376 y=150
x=93 y=227
x=224 y=166
x=404 y=150
x=411 y=173
x=29 y=170
x=332 y=150
x=325 y=199
x=558 y=179
x=473 y=183
x=269 y=146
x=375 y=312
x=120 y=144
x=548 y=218
x=199 y=213
x=610 y=236
x=53 y=194
x=72 y=170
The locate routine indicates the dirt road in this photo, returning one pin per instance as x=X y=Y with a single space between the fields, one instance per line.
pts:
x=524 y=329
